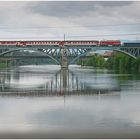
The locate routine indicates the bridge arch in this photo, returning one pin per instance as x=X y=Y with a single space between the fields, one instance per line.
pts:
x=80 y=53
x=76 y=58
x=124 y=52
x=14 y=50
x=94 y=49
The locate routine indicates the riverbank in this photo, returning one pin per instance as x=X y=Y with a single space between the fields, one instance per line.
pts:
x=2 y=64
x=119 y=63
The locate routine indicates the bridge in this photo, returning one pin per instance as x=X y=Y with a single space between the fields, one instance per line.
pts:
x=64 y=54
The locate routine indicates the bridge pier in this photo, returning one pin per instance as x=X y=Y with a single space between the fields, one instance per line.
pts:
x=6 y=63
x=64 y=61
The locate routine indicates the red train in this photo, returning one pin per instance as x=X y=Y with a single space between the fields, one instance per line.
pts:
x=110 y=43
x=70 y=42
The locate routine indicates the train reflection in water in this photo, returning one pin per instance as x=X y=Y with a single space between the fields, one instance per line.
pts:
x=55 y=83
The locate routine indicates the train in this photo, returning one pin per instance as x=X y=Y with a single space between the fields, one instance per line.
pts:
x=102 y=43
x=26 y=43
x=131 y=44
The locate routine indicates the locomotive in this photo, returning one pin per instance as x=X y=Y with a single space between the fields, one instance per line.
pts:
x=131 y=44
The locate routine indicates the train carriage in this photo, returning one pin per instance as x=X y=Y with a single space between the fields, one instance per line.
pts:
x=110 y=43
x=79 y=42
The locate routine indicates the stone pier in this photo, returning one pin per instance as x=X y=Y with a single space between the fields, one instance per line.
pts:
x=64 y=61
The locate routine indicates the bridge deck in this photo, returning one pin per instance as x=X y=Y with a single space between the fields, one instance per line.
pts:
x=55 y=51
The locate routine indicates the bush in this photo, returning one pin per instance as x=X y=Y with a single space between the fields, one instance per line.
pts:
x=120 y=62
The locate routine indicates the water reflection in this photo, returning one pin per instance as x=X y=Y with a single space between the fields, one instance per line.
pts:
x=51 y=80
x=112 y=115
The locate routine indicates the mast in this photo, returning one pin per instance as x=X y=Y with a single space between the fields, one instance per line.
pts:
x=64 y=37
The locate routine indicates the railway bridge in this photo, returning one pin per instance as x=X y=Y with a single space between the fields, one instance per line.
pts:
x=64 y=54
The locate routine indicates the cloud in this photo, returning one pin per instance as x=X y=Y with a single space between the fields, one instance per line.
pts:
x=72 y=8
x=53 y=19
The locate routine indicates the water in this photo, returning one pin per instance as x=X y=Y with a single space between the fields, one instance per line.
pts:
x=82 y=102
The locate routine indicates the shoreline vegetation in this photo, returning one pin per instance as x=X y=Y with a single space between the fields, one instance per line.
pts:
x=2 y=64
x=120 y=63
x=9 y=63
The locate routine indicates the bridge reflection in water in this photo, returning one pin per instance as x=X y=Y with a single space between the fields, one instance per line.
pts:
x=63 y=82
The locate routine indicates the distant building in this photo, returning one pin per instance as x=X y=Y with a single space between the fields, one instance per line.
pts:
x=92 y=53
x=108 y=54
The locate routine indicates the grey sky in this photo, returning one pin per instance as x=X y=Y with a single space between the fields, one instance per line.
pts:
x=51 y=19
x=73 y=9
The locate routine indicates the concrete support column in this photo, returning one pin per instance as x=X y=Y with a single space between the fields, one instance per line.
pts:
x=64 y=61
x=6 y=62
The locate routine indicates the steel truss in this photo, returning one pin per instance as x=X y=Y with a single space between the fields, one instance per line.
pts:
x=71 y=52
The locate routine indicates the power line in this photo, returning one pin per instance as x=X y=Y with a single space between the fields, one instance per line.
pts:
x=78 y=26
x=81 y=36
x=105 y=35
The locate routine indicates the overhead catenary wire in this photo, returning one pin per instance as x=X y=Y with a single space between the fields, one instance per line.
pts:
x=128 y=34
x=100 y=35
x=78 y=26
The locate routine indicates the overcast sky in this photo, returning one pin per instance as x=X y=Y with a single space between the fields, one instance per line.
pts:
x=78 y=20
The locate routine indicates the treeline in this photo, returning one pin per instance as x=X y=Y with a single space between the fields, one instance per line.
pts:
x=30 y=61
x=34 y=61
x=118 y=62
x=2 y=64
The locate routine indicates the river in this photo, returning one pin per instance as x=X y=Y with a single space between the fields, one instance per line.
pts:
x=44 y=101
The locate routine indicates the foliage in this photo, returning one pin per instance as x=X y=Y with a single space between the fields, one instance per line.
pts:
x=96 y=61
x=2 y=64
x=120 y=62
x=30 y=61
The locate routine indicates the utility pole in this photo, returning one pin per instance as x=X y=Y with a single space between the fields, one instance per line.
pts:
x=64 y=37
